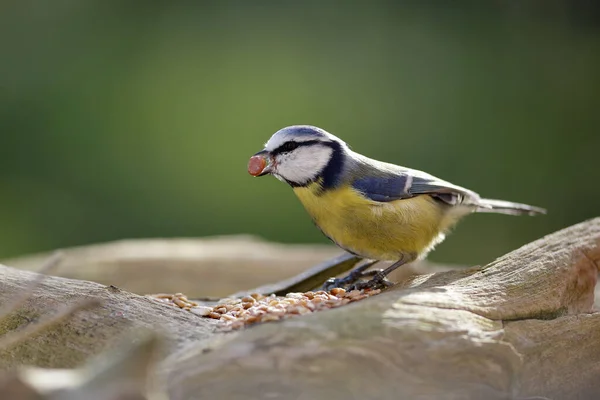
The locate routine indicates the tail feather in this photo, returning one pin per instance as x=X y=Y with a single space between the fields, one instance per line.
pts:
x=508 y=207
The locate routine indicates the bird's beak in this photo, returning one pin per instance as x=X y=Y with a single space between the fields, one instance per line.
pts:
x=261 y=163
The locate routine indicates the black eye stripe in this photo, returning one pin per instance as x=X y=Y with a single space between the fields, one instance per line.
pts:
x=288 y=146
x=291 y=145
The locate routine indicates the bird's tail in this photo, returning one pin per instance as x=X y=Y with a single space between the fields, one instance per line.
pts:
x=508 y=207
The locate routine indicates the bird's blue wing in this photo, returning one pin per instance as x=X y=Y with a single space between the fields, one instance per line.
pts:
x=393 y=186
x=383 y=188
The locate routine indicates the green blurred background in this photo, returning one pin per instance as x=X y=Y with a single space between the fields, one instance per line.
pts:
x=137 y=119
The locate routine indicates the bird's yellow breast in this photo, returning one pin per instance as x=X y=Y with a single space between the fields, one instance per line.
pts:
x=375 y=230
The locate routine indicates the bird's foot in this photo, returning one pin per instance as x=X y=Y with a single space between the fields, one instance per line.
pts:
x=344 y=282
x=379 y=280
x=352 y=278
x=332 y=283
x=375 y=283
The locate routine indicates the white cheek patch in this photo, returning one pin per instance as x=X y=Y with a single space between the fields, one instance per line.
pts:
x=303 y=164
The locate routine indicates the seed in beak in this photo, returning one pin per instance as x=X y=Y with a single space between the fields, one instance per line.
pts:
x=257 y=165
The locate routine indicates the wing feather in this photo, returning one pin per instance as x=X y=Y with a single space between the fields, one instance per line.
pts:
x=388 y=182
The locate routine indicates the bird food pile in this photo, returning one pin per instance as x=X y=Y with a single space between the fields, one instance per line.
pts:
x=240 y=313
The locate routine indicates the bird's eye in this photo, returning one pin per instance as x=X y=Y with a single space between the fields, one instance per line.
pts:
x=288 y=146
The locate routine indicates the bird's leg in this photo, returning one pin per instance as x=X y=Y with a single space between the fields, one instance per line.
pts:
x=352 y=277
x=378 y=281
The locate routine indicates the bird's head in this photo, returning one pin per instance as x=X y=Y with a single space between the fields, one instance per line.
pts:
x=299 y=155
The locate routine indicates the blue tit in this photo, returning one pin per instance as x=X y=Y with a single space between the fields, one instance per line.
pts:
x=372 y=209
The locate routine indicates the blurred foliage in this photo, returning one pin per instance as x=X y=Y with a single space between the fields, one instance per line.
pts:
x=136 y=119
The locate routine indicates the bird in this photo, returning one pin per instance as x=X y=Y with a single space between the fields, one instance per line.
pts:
x=372 y=209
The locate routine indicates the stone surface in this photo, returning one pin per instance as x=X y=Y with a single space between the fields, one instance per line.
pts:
x=519 y=327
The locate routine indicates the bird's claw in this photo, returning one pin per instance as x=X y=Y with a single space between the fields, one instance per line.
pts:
x=354 y=276
x=372 y=284
x=333 y=283
x=352 y=280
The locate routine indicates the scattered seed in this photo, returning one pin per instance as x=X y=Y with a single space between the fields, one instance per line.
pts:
x=338 y=291
x=179 y=302
x=201 y=310
x=255 y=308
